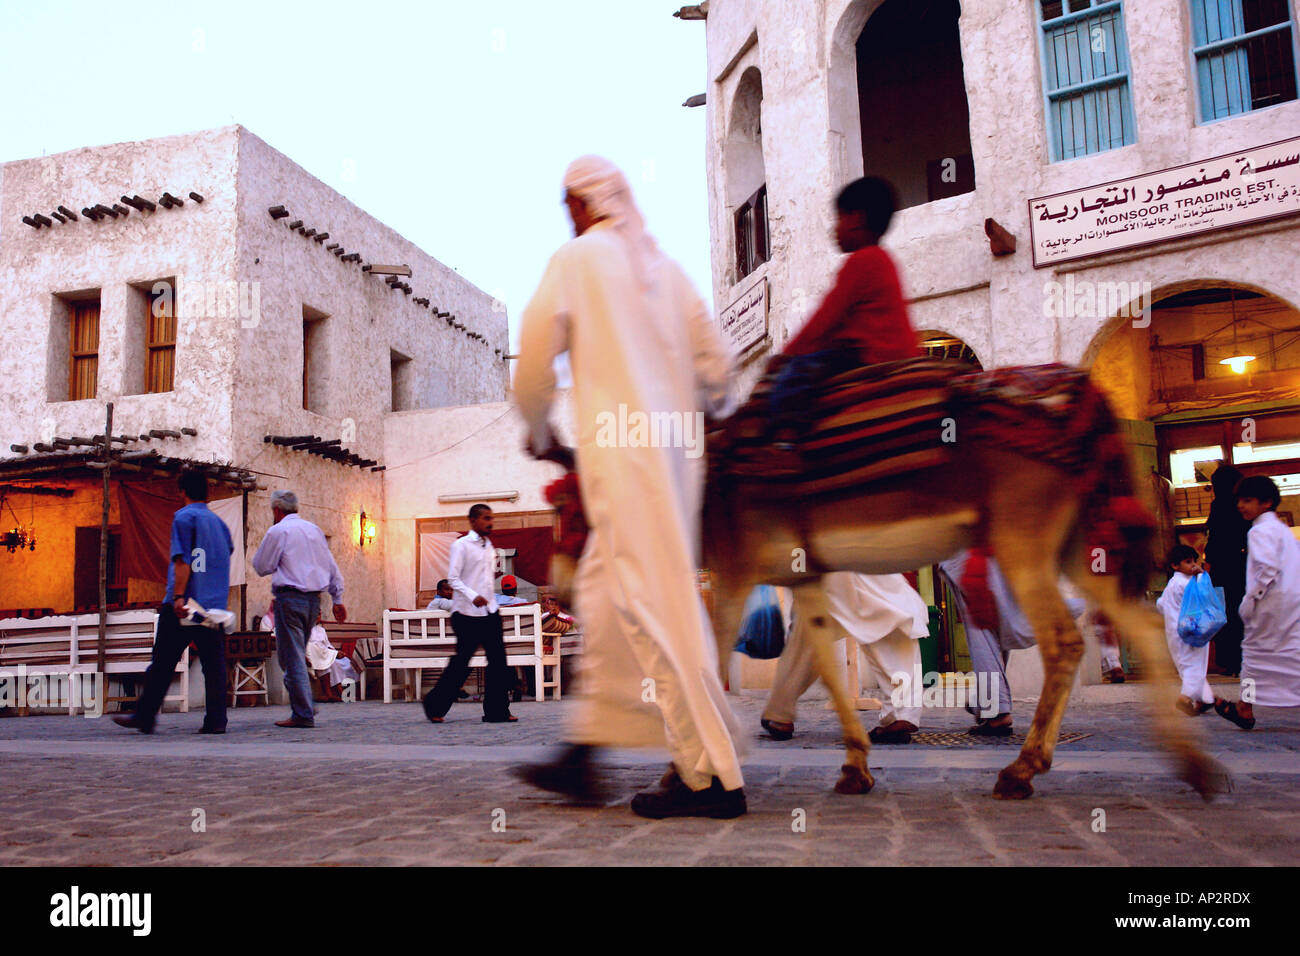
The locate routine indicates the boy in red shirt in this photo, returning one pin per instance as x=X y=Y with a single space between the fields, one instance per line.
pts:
x=861 y=321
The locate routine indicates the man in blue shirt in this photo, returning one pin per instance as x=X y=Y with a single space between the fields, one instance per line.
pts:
x=200 y=569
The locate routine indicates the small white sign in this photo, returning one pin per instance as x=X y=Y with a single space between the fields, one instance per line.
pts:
x=1231 y=190
x=744 y=322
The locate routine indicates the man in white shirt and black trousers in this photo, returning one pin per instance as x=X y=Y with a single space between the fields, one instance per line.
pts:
x=477 y=622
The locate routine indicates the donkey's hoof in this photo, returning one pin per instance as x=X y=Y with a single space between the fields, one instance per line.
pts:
x=854 y=780
x=1012 y=787
x=1206 y=775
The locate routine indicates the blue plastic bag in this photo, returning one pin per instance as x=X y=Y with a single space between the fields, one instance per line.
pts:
x=1203 y=611
x=762 y=629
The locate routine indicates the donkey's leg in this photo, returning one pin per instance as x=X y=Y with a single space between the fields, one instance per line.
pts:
x=1143 y=626
x=820 y=631
x=1029 y=524
x=728 y=604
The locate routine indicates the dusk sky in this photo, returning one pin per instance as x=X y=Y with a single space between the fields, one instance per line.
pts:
x=450 y=122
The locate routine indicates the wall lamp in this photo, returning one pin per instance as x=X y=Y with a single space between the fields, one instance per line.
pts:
x=366 y=533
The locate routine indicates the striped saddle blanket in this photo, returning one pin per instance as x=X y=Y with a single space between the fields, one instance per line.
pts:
x=869 y=423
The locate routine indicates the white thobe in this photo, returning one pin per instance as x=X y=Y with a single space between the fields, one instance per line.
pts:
x=322 y=656
x=886 y=617
x=1270 y=646
x=1192 y=662
x=634 y=352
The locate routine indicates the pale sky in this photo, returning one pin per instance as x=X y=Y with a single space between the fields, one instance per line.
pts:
x=451 y=122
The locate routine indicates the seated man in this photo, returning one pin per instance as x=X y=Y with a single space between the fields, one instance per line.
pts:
x=325 y=664
x=509 y=595
x=861 y=321
x=442 y=600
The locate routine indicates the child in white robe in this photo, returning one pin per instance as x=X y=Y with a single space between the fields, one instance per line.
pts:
x=1270 y=611
x=1195 y=697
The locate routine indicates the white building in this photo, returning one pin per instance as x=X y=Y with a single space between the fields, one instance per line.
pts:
x=1007 y=114
x=247 y=311
x=1125 y=148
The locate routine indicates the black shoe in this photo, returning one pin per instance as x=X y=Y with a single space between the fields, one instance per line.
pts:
x=429 y=711
x=507 y=719
x=132 y=722
x=573 y=773
x=211 y=730
x=679 y=800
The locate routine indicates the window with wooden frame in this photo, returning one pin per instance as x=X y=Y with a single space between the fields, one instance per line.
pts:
x=315 y=361
x=1085 y=77
x=160 y=339
x=1244 y=52
x=83 y=372
x=752 y=238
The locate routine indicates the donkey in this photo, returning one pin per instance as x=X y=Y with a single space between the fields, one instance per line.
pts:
x=1035 y=517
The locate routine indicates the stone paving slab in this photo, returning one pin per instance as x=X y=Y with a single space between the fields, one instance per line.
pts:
x=377 y=784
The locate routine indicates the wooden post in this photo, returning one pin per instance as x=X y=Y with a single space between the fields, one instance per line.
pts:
x=243 y=588
x=106 y=453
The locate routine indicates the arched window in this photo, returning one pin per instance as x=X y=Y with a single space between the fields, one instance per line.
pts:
x=912 y=100
x=746 y=175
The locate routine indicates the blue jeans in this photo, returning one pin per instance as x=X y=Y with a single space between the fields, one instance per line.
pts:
x=295 y=616
x=798 y=382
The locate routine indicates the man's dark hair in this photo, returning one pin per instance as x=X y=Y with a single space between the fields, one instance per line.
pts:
x=477 y=510
x=195 y=485
x=442 y=582
x=1261 y=488
x=871 y=196
x=1180 y=553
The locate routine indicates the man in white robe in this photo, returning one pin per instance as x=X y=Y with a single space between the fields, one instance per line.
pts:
x=886 y=617
x=1270 y=611
x=647 y=363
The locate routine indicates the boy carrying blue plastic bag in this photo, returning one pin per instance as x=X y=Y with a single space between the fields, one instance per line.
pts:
x=1191 y=648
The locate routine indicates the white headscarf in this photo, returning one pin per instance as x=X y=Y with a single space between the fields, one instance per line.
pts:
x=605 y=190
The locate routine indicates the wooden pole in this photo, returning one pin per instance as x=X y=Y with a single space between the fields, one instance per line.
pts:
x=243 y=588
x=106 y=452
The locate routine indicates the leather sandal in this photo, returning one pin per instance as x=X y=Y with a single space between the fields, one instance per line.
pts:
x=776 y=729
x=1227 y=709
x=898 y=732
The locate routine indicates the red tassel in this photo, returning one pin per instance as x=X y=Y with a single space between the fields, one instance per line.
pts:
x=974 y=585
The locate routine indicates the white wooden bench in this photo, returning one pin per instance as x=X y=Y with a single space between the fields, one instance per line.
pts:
x=420 y=640
x=68 y=644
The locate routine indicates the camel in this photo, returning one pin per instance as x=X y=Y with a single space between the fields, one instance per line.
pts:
x=1030 y=513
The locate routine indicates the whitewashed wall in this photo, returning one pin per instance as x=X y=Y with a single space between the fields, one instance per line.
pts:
x=456 y=451
x=238 y=370
x=811 y=144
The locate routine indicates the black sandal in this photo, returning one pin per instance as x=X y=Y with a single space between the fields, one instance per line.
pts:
x=892 y=734
x=1227 y=709
x=774 y=732
x=988 y=729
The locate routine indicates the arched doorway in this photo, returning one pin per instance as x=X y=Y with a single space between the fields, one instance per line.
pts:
x=1210 y=377
x=941 y=345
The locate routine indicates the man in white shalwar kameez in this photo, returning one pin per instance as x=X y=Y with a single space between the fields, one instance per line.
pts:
x=1270 y=611
x=644 y=352
x=886 y=617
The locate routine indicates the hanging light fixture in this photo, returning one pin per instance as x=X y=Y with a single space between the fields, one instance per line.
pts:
x=1238 y=359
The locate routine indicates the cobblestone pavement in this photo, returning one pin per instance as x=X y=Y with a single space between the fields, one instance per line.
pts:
x=377 y=784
